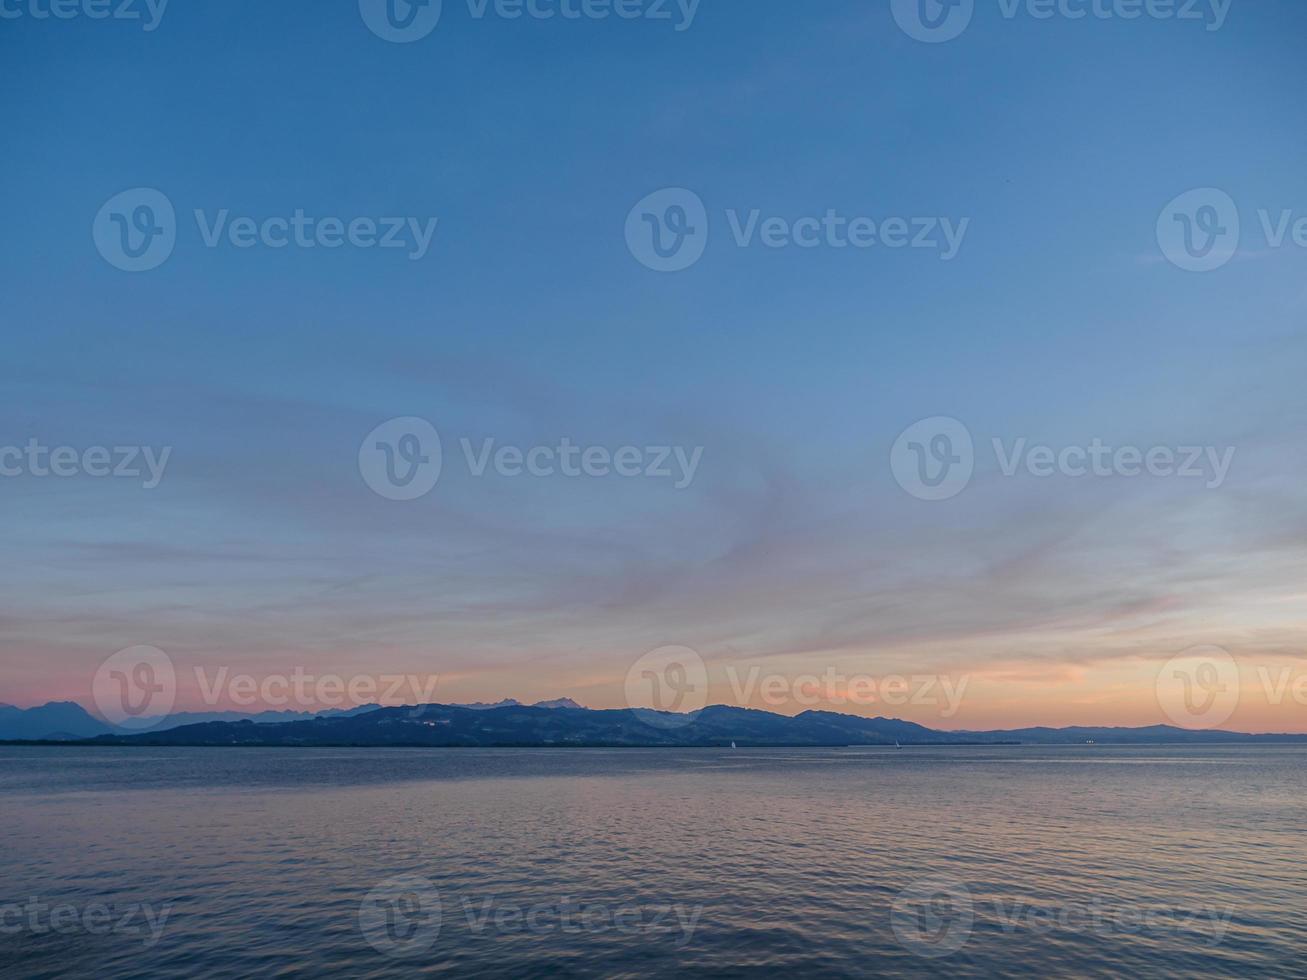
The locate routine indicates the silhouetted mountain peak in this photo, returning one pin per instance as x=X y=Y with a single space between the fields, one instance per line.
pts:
x=488 y=706
x=55 y=720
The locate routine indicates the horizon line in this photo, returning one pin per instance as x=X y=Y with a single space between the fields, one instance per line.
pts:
x=541 y=705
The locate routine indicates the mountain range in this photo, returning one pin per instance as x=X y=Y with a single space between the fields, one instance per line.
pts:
x=564 y=723
x=61 y=721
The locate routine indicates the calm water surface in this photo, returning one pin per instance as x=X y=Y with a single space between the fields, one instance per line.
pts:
x=1013 y=861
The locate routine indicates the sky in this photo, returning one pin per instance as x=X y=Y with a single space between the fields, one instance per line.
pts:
x=780 y=394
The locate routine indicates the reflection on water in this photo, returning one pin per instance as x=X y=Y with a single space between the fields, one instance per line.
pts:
x=969 y=861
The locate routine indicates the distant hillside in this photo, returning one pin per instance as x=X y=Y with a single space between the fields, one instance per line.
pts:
x=515 y=703
x=521 y=725
x=512 y=725
x=565 y=723
x=1134 y=736
x=164 y=722
x=54 y=721
x=61 y=721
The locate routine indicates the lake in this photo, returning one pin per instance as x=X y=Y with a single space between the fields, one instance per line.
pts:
x=967 y=861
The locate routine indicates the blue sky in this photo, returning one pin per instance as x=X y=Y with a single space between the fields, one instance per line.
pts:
x=529 y=320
